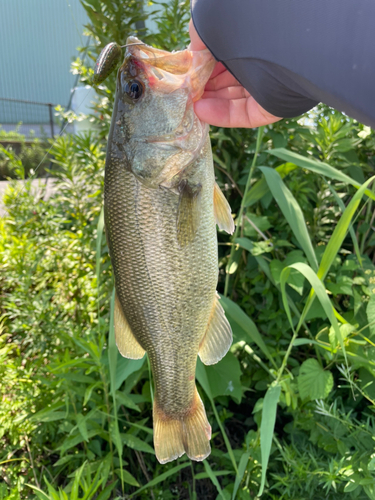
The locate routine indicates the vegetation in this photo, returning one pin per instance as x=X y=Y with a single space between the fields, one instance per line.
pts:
x=292 y=404
x=14 y=148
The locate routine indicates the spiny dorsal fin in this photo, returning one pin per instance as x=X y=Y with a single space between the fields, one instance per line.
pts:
x=222 y=211
x=188 y=212
x=126 y=342
x=218 y=337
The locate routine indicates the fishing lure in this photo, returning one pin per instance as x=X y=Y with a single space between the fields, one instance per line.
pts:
x=108 y=61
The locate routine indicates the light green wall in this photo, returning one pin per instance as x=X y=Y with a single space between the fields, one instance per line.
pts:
x=38 y=40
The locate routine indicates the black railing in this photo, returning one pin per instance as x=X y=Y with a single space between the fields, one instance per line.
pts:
x=26 y=116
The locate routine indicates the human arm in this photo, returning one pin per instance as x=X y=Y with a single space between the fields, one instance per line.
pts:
x=289 y=55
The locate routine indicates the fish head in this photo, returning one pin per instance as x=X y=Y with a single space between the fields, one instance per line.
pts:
x=154 y=127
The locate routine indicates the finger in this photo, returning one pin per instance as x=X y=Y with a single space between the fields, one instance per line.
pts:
x=244 y=112
x=227 y=93
x=219 y=68
x=222 y=80
x=196 y=43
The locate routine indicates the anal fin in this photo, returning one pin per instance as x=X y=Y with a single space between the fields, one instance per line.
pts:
x=218 y=337
x=126 y=343
x=222 y=211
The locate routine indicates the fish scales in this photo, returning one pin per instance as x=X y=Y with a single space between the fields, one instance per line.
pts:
x=161 y=209
x=160 y=284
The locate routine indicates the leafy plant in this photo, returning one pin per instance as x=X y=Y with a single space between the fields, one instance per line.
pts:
x=291 y=406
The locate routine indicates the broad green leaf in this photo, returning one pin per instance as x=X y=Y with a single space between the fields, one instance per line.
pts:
x=341 y=231
x=351 y=230
x=72 y=441
x=267 y=427
x=160 y=478
x=335 y=243
x=317 y=167
x=40 y=494
x=243 y=327
x=135 y=443
x=51 y=416
x=313 y=381
x=212 y=476
x=105 y=494
x=370 y=311
x=321 y=293
x=260 y=221
x=225 y=378
x=124 y=399
x=345 y=330
x=240 y=473
x=81 y=422
x=201 y=374
x=295 y=279
x=128 y=478
x=202 y=378
x=292 y=212
x=125 y=367
x=49 y=412
x=260 y=188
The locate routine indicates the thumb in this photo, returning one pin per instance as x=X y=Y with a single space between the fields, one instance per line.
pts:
x=196 y=43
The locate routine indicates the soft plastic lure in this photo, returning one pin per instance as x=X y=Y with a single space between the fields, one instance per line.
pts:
x=108 y=61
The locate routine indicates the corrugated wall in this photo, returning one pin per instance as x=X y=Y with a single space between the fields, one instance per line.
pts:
x=38 y=40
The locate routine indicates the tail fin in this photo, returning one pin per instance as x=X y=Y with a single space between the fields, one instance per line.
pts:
x=190 y=434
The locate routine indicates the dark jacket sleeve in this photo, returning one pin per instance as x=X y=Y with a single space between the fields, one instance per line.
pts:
x=292 y=54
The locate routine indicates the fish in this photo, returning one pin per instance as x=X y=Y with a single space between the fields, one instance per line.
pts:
x=161 y=207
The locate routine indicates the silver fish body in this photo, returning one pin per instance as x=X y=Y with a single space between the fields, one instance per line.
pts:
x=160 y=221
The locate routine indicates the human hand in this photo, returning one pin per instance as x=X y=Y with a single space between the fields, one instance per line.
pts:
x=225 y=103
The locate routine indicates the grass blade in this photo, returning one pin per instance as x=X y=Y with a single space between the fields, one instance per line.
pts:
x=292 y=212
x=160 y=478
x=267 y=428
x=340 y=231
x=213 y=478
x=351 y=230
x=204 y=382
x=240 y=473
x=321 y=293
x=241 y=321
x=242 y=207
x=260 y=188
x=335 y=242
x=112 y=358
x=99 y=237
x=317 y=167
x=40 y=494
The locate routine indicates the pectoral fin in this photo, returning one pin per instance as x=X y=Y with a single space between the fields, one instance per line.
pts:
x=222 y=211
x=218 y=337
x=126 y=342
x=188 y=215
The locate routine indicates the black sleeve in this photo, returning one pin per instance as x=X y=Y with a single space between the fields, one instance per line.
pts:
x=292 y=54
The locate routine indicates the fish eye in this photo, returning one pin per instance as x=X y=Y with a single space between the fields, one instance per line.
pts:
x=134 y=89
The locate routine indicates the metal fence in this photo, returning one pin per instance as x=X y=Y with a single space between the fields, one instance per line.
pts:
x=29 y=118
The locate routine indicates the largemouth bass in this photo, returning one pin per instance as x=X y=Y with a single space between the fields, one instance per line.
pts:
x=161 y=209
